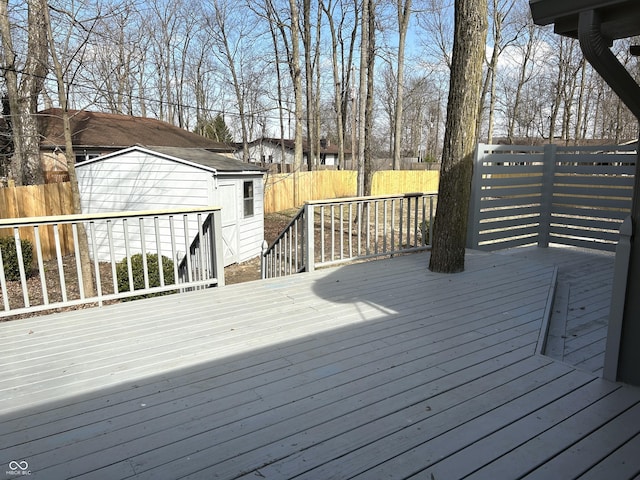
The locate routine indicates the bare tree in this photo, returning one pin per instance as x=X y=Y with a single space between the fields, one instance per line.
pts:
x=24 y=83
x=60 y=72
x=342 y=52
x=227 y=31
x=404 y=12
x=450 y=226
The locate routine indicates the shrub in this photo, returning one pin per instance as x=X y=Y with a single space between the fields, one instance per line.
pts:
x=10 y=257
x=138 y=274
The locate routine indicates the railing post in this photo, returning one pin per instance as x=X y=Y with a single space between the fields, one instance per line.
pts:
x=546 y=194
x=218 y=247
x=618 y=296
x=473 y=222
x=309 y=246
x=263 y=261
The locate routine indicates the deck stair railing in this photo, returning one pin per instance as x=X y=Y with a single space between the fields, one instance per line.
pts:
x=331 y=232
x=200 y=264
x=130 y=254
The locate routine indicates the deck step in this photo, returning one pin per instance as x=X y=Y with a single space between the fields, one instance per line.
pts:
x=556 y=335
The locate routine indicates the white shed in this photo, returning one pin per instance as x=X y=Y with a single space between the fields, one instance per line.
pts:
x=154 y=178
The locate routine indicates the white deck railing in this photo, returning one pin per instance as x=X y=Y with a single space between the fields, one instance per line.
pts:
x=337 y=231
x=150 y=252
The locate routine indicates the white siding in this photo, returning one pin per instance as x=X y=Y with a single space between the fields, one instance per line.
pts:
x=266 y=150
x=252 y=228
x=136 y=180
x=140 y=181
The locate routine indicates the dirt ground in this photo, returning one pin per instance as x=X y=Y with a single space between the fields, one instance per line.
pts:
x=274 y=223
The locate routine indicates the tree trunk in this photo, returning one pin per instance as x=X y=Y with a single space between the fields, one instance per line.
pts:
x=83 y=244
x=362 y=94
x=404 y=13
x=337 y=83
x=368 y=116
x=450 y=226
x=23 y=95
x=296 y=77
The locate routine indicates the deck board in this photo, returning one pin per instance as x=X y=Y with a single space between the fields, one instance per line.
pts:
x=582 y=303
x=375 y=370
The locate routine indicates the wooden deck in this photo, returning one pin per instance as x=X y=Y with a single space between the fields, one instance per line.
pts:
x=577 y=332
x=368 y=371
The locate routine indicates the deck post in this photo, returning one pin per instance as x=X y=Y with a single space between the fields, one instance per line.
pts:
x=308 y=240
x=629 y=354
x=473 y=222
x=546 y=194
x=218 y=247
x=618 y=296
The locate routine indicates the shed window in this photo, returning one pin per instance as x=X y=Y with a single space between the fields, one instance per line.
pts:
x=248 y=199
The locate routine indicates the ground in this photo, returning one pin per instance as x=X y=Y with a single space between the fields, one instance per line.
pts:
x=274 y=223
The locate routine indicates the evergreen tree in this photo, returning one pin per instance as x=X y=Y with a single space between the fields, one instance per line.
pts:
x=216 y=130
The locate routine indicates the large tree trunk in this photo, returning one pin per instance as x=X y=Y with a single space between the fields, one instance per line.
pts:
x=450 y=226
x=362 y=95
x=23 y=94
x=368 y=115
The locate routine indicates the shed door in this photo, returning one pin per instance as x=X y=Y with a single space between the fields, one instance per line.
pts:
x=229 y=202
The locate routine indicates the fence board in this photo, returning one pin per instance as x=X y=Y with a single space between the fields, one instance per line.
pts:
x=511 y=181
x=592 y=222
x=505 y=243
x=583 y=169
x=619 y=214
x=285 y=191
x=514 y=191
x=530 y=230
x=518 y=211
x=596 y=235
x=495 y=168
x=39 y=201
x=619 y=181
x=592 y=191
x=524 y=202
x=578 y=242
x=509 y=222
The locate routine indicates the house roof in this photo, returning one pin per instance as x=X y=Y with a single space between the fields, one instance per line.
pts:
x=290 y=144
x=197 y=157
x=112 y=131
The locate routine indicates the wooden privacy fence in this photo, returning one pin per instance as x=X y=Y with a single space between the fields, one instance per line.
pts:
x=285 y=191
x=52 y=199
x=524 y=195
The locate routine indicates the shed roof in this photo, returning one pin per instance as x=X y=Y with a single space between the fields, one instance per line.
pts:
x=197 y=157
x=107 y=130
x=208 y=158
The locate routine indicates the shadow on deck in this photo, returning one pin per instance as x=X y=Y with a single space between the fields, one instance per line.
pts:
x=376 y=370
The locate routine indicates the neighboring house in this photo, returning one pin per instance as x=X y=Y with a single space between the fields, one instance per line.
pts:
x=267 y=151
x=95 y=134
x=156 y=178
